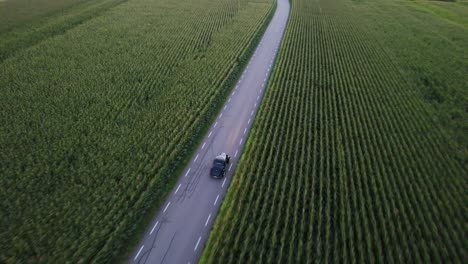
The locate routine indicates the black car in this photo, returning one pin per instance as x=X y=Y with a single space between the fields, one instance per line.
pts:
x=219 y=165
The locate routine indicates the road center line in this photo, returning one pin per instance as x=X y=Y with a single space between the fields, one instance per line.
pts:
x=196 y=157
x=139 y=251
x=155 y=225
x=217 y=197
x=167 y=206
x=198 y=242
x=187 y=172
x=177 y=189
x=208 y=219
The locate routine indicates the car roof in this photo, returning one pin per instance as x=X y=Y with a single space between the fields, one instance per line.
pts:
x=221 y=156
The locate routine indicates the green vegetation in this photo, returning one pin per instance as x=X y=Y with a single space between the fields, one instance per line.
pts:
x=453 y=12
x=97 y=119
x=25 y=35
x=358 y=151
x=16 y=12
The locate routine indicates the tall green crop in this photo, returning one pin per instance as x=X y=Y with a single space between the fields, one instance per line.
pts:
x=349 y=160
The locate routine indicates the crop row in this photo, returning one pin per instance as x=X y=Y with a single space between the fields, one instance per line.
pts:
x=344 y=163
x=96 y=121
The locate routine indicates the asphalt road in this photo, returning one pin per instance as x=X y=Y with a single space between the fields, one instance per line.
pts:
x=178 y=232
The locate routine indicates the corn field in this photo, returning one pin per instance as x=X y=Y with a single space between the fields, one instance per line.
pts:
x=97 y=121
x=345 y=163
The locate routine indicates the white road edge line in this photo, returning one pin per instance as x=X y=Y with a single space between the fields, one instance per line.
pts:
x=155 y=225
x=223 y=183
x=139 y=251
x=208 y=219
x=217 y=197
x=198 y=242
x=177 y=188
x=187 y=172
x=167 y=206
x=196 y=157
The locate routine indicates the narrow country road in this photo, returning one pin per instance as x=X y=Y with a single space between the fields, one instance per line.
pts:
x=178 y=232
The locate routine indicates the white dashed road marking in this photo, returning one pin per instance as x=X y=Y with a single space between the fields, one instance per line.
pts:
x=245 y=130
x=204 y=144
x=248 y=122
x=139 y=251
x=223 y=183
x=209 y=135
x=235 y=155
x=177 y=189
x=167 y=206
x=208 y=219
x=196 y=157
x=217 y=197
x=187 y=172
x=155 y=225
x=198 y=242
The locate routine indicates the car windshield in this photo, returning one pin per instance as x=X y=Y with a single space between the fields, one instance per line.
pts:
x=218 y=162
